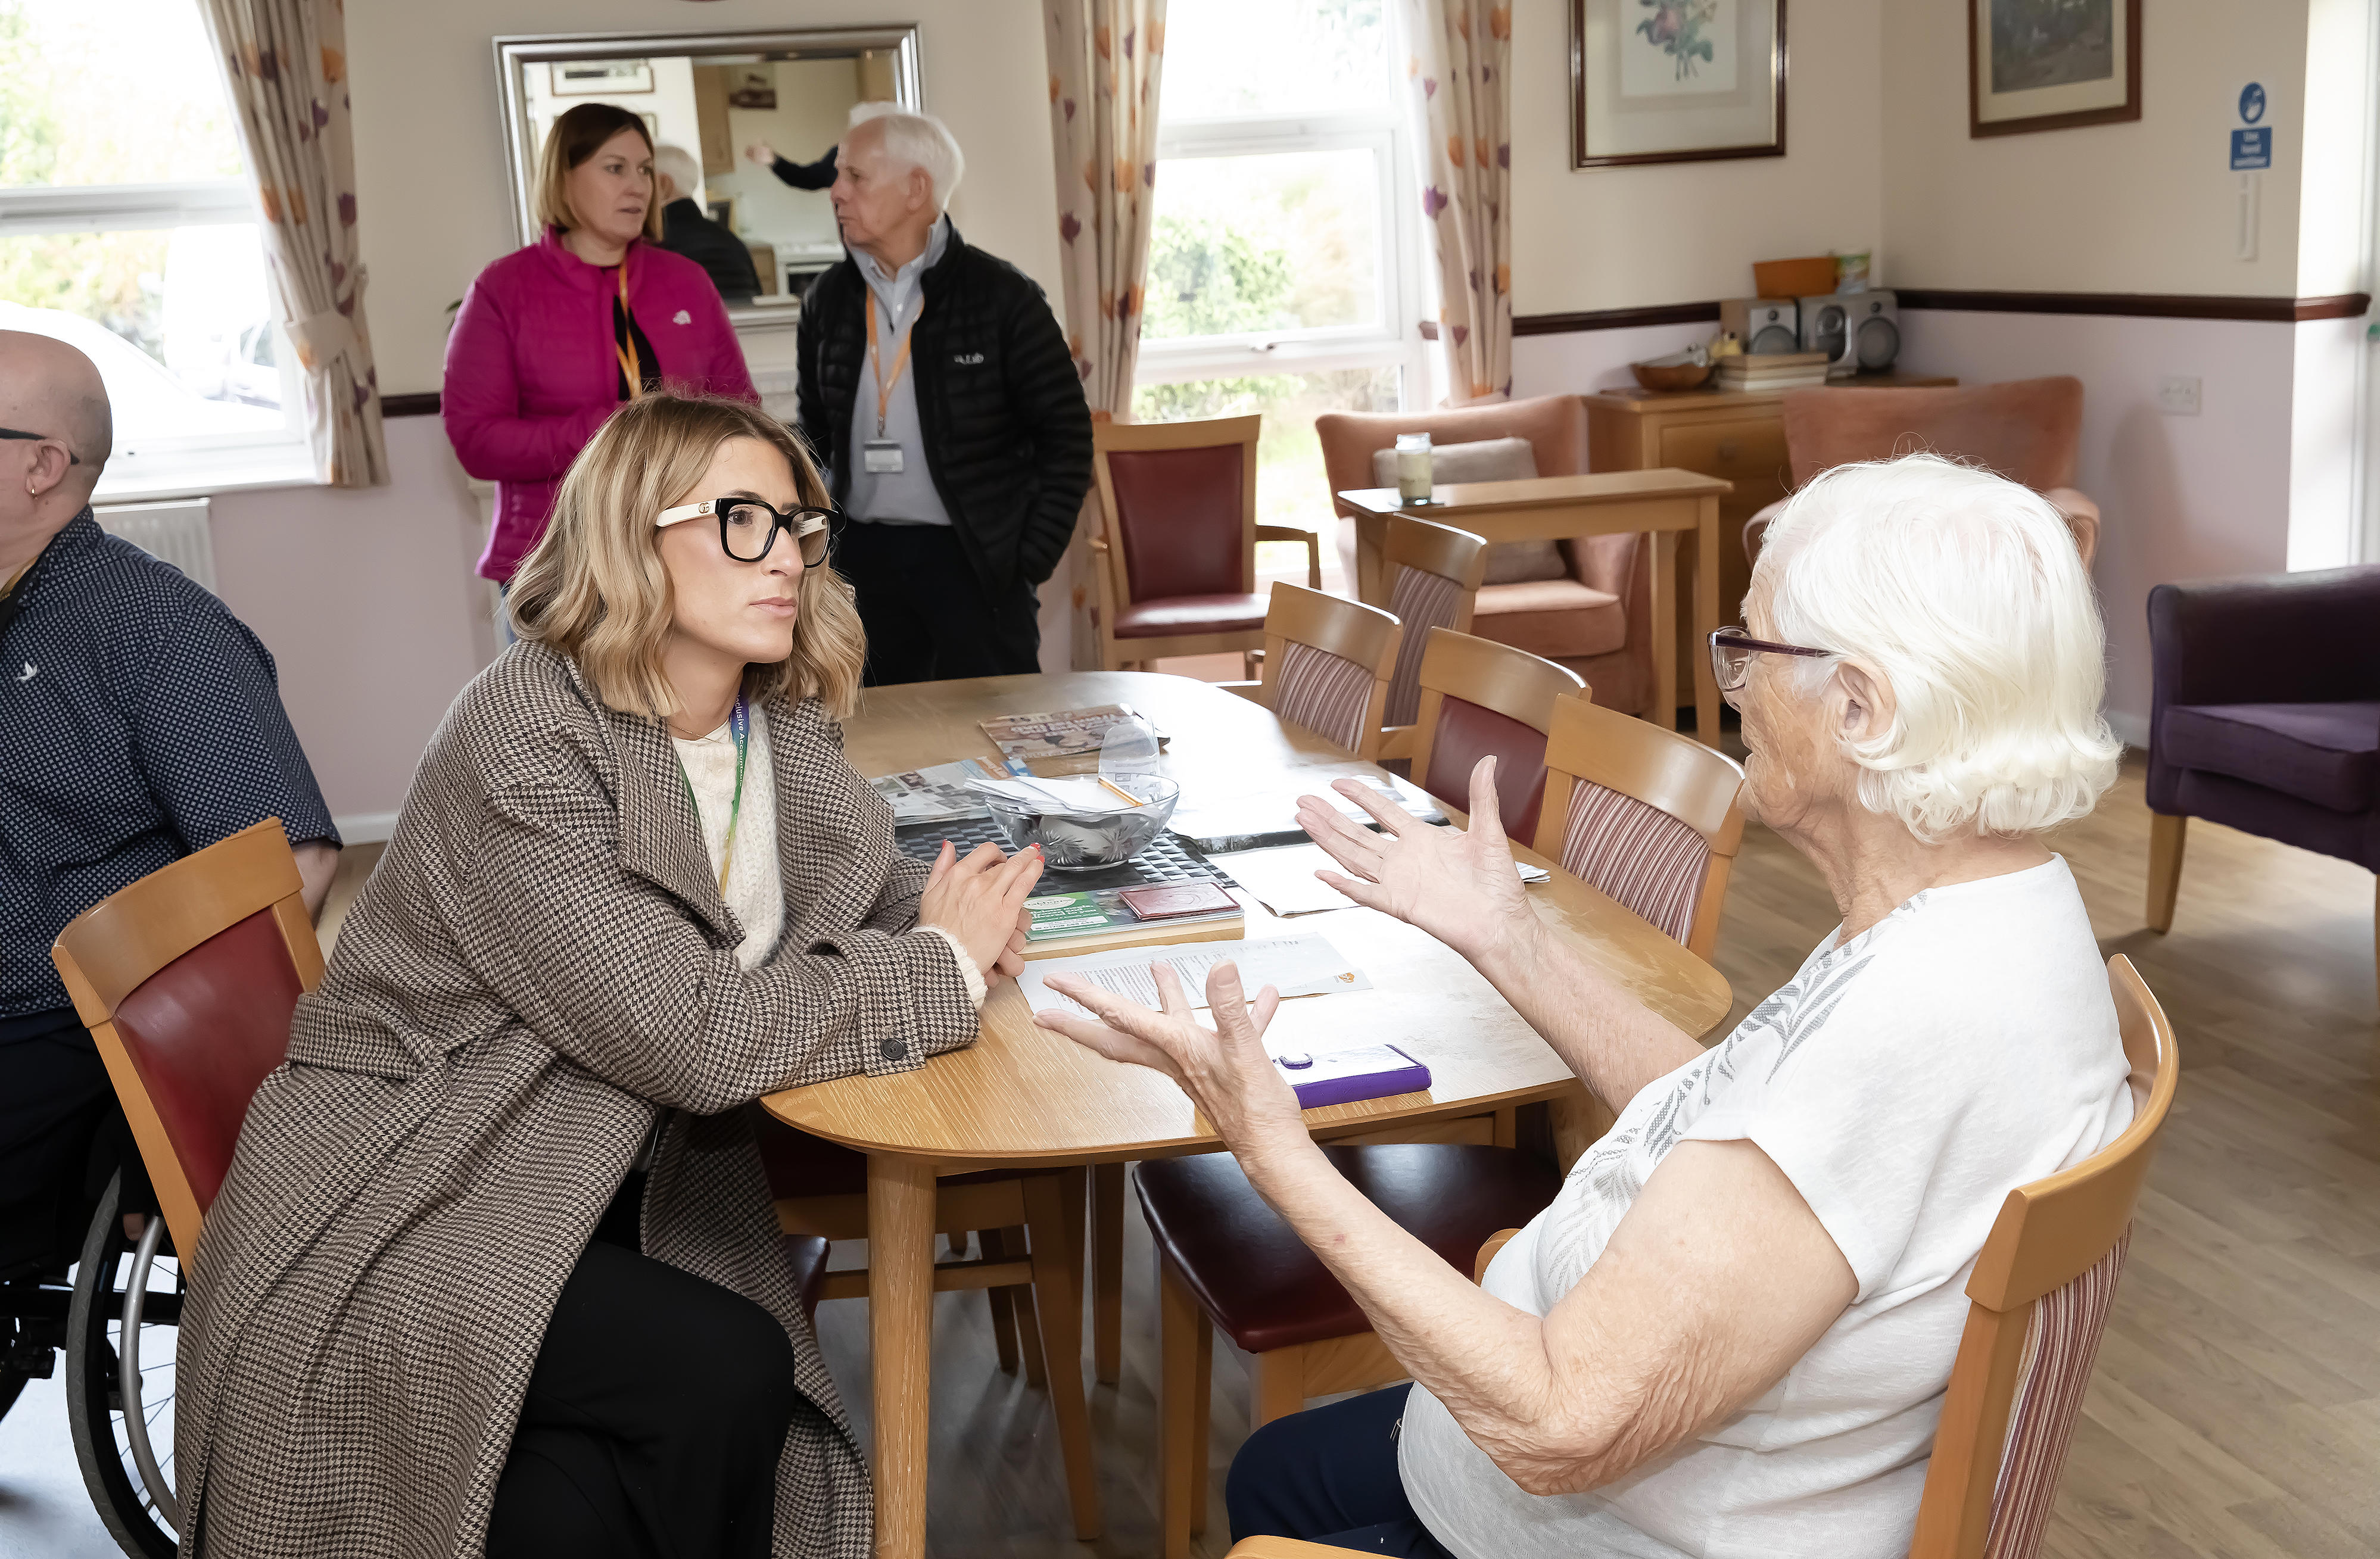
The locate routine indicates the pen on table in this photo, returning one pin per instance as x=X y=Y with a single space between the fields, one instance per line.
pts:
x=1119 y=790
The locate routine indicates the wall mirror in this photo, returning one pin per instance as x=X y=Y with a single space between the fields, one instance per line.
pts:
x=716 y=94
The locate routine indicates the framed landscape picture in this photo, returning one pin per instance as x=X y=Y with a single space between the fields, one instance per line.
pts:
x=1676 y=80
x=2051 y=65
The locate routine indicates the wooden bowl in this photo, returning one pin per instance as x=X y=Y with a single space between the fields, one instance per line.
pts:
x=1672 y=376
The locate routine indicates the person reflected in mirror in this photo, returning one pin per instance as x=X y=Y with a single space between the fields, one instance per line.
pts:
x=687 y=230
x=496 y=1261
x=937 y=386
x=554 y=338
x=801 y=175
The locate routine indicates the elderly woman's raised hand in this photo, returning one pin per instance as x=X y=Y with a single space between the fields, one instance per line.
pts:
x=1225 y=1069
x=1457 y=883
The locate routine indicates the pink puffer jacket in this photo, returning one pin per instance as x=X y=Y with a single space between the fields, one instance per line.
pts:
x=530 y=372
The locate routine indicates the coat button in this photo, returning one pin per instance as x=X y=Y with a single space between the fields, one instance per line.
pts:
x=892 y=1049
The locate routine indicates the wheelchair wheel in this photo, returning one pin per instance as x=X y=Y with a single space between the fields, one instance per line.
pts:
x=123 y=1417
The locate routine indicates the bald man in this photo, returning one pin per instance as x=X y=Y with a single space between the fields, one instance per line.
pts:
x=139 y=721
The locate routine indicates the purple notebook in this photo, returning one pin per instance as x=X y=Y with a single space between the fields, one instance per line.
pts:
x=1343 y=1077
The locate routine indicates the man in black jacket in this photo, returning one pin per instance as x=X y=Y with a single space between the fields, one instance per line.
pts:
x=938 y=389
x=686 y=230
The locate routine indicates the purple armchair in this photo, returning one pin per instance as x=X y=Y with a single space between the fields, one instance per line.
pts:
x=2265 y=715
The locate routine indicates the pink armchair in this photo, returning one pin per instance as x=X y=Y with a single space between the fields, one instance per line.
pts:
x=2027 y=429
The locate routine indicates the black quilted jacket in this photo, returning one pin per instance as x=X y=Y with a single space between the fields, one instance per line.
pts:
x=1008 y=435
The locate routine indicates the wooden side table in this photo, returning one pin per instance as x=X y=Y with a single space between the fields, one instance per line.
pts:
x=1738 y=436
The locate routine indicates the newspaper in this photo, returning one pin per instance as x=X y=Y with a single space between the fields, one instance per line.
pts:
x=1061 y=733
x=940 y=793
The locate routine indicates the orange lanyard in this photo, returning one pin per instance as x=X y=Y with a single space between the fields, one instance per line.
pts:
x=621 y=349
x=900 y=359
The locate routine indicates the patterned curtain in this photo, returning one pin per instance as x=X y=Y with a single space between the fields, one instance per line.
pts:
x=286 y=64
x=1458 y=67
x=1105 y=57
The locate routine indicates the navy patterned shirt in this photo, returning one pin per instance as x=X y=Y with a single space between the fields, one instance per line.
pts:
x=139 y=721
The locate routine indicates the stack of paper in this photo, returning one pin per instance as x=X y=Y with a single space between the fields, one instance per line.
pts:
x=1075 y=794
x=1293 y=965
x=1282 y=878
x=1255 y=820
x=1772 y=370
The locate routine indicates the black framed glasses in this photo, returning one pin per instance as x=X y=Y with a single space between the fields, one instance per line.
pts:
x=1731 y=651
x=72 y=458
x=747 y=528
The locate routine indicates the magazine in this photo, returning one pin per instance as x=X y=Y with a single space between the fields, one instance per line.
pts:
x=1063 y=733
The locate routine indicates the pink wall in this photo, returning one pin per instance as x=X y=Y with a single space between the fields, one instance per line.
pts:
x=367 y=599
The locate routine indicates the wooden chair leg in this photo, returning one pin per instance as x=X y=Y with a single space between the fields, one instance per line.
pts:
x=2167 y=835
x=1202 y=1412
x=1024 y=1307
x=1056 y=1250
x=1003 y=1303
x=1180 y=1327
x=1107 y=1272
x=1280 y=1385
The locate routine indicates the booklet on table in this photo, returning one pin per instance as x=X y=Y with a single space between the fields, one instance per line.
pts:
x=1305 y=965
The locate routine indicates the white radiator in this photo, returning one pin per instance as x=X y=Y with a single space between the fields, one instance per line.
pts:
x=175 y=531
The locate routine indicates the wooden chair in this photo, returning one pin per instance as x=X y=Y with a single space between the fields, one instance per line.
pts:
x=187 y=980
x=1176 y=549
x=1327 y=664
x=1029 y=1222
x=2040 y=1295
x=1434 y=575
x=1651 y=818
x=1478 y=697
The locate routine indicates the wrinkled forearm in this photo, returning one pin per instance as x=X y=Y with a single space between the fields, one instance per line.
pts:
x=1603 y=1034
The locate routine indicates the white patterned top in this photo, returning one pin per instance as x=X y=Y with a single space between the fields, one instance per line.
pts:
x=1905 y=1082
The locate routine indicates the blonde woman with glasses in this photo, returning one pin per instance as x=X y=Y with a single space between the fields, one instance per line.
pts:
x=495 y=1262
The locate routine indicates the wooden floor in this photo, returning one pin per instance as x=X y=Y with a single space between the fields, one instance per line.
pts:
x=2236 y=1408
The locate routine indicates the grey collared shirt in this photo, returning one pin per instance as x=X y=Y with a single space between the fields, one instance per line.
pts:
x=907 y=496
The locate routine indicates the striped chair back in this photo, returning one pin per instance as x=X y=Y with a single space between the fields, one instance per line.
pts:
x=1325 y=667
x=2041 y=1291
x=1650 y=818
x=1434 y=576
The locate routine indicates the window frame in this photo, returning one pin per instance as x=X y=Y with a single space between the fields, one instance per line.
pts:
x=208 y=462
x=1395 y=340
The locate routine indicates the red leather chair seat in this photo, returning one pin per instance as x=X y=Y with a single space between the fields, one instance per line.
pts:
x=800 y=1164
x=1467 y=733
x=1169 y=615
x=204 y=1030
x=805 y=1256
x=1257 y=1280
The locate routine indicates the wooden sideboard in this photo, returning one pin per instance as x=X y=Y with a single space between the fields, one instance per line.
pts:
x=1736 y=435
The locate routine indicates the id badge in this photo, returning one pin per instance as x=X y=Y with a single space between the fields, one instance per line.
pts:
x=880 y=457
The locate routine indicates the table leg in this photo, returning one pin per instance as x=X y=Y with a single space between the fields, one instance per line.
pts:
x=1665 y=628
x=899 y=1336
x=1706 y=610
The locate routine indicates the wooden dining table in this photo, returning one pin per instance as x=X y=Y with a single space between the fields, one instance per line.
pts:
x=1024 y=1096
x=1669 y=504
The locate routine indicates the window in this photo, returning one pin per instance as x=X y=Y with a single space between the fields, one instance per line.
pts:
x=127 y=228
x=1283 y=266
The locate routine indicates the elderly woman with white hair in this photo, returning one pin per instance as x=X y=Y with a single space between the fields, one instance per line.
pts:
x=1732 y=1331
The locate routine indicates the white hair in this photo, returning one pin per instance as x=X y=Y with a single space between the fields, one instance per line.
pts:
x=676 y=164
x=1966 y=592
x=917 y=140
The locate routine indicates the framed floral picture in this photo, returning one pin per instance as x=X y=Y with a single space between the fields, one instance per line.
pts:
x=1676 y=80
x=2051 y=65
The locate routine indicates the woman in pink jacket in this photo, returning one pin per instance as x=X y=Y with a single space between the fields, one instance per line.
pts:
x=554 y=338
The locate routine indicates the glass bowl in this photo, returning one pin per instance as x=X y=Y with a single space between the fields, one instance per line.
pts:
x=1086 y=842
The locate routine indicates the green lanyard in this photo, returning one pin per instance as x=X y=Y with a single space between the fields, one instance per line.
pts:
x=739 y=724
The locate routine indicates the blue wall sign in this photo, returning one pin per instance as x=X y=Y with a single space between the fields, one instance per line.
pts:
x=2252 y=103
x=2251 y=148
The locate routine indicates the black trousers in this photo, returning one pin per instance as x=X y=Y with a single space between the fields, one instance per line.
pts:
x=1328 y=1475
x=62 y=1134
x=928 y=617
x=653 y=1418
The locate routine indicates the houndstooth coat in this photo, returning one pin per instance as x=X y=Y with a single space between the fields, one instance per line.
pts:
x=540 y=967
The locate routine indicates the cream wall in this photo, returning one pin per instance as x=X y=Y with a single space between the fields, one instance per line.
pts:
x=2141 y=207
x=1689 y=232
x=432 y=197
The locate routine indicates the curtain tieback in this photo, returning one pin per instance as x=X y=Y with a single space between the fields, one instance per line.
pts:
x=320 y=338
